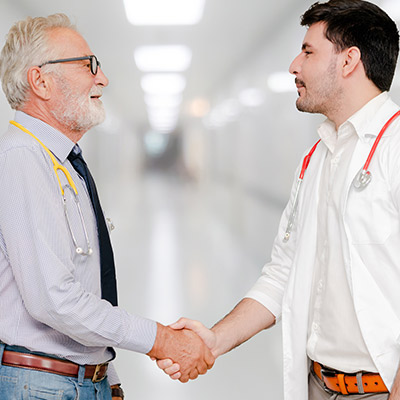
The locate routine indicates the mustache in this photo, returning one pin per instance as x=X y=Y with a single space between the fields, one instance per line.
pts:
x=96 y=91
x=299 y=82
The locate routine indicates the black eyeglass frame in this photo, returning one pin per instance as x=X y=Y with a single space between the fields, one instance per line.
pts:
x=94 y=62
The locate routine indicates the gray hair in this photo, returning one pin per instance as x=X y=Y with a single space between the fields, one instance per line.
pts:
x=27 y=45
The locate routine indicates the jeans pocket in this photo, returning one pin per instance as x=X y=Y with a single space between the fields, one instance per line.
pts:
x=45 y=394
x=46 y=386
x=8 y=386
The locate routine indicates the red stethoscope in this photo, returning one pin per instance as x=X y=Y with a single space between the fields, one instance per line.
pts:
x=361 y=180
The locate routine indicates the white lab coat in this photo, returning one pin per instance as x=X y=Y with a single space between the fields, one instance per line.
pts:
x=371 y=224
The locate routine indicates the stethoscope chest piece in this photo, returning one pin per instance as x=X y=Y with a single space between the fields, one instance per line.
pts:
x=362 y=179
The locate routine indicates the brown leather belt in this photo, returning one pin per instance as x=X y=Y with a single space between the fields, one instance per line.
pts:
x=46 y=364
x=349 y=383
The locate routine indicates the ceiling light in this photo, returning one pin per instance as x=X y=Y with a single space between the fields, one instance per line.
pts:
x=164 y=12
x=163 y=84
x=163 y=120
x=155 y=100
x=172 y=58
x=163 y=110
x=163 y=126
x=163 y=115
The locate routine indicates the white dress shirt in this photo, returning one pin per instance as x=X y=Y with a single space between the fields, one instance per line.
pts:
x=334 y=337
x=50 y=295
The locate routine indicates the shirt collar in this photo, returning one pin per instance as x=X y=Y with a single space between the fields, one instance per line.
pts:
x=366 y=122
x=59 y=144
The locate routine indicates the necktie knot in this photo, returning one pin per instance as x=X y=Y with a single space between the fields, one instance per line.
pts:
x=76 y=157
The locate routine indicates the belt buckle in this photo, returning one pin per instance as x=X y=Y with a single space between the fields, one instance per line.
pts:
x=97 y=370
x=329 y=374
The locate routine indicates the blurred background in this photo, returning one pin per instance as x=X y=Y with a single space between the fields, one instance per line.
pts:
x=193 y=163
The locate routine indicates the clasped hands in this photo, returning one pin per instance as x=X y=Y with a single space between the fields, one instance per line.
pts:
x=184 y=350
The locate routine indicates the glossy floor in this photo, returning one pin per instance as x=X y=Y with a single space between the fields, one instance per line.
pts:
x=175 y=257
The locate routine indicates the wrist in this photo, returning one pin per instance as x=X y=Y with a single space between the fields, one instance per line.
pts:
x=158 y=348
x=221 y=346
x=116 y=391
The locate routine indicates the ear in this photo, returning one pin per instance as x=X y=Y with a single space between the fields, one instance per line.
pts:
x=351 y=60
x=39 y=83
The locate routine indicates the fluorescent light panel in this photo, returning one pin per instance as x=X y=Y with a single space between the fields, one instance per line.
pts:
x=163 y=84
x=163 y=119
x=164 y=12
x=163 y=112
x=173 y=58
x=155 y=100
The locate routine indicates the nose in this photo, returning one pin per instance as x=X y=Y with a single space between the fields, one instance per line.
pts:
x=100 y=78
x=294 y=67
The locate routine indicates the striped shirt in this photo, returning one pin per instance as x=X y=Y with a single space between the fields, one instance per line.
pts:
x=50 y=296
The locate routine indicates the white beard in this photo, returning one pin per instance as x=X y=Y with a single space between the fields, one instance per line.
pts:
x=79 y=112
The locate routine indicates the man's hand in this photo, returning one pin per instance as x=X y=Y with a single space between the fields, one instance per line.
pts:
x=247 y=319
x=184 y=348
x=173 y=369
x=207 y=335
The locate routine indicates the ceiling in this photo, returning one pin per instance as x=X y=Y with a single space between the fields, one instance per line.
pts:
x=229 y=31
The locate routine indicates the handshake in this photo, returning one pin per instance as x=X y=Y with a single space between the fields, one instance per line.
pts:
x=185 y=349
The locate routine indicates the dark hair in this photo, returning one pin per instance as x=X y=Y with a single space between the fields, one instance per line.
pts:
x=364 y=25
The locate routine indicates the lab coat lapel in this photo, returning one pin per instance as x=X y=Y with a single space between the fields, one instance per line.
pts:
x=297 y=294
x=365 y=143
x=357 y=162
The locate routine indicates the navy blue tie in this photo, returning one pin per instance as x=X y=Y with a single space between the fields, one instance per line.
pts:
x=107 y=267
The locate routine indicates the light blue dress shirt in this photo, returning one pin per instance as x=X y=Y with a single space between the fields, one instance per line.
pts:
x=50 y=296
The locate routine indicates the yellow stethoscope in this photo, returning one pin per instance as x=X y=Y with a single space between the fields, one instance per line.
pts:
x=361 y=180
x=71 y=188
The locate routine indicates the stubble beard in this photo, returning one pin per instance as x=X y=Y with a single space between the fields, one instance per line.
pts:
x=324 y=99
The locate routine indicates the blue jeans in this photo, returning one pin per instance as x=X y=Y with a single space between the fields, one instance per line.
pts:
x=27 y=384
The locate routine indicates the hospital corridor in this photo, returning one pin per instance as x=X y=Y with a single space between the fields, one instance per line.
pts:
x=193 y=164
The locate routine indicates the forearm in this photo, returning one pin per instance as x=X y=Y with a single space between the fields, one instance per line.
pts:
x=247 y=319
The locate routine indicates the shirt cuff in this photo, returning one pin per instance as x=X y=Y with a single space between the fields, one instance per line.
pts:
x=140 y=335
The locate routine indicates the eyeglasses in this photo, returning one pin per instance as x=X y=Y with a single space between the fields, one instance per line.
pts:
x=94 y=62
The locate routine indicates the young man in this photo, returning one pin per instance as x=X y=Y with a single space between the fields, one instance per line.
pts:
x=335 y=273
x=59 y=318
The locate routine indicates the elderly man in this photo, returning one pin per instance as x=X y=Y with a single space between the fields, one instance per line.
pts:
x=59 y=318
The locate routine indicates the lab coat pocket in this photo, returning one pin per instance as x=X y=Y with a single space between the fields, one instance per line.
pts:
x=370 y=213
